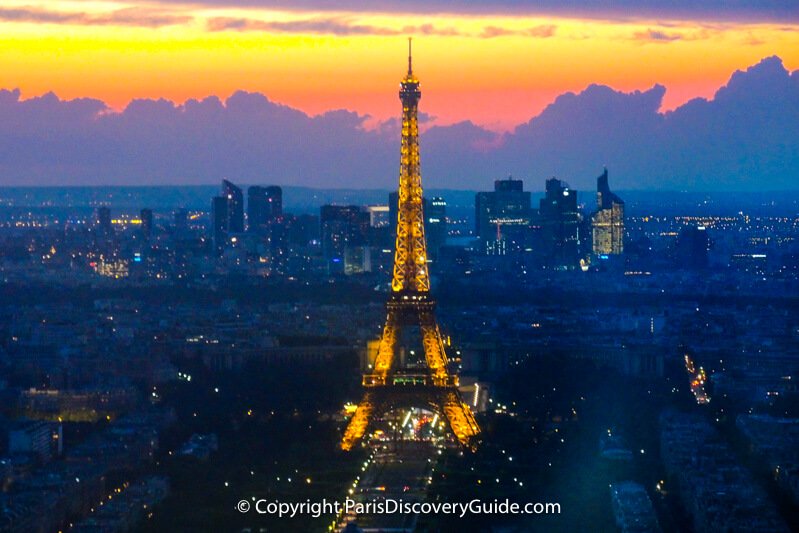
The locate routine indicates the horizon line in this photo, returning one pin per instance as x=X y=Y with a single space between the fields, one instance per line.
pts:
x=367 y=189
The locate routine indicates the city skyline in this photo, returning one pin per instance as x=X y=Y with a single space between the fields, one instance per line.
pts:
x=286 y=307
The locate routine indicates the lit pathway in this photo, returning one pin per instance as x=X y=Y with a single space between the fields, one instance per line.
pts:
x=397 y=472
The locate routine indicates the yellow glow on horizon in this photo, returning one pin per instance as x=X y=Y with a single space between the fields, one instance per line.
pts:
x=498 y=81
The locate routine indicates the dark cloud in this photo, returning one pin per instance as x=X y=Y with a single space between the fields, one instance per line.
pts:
x=746 y=137
x=131 y=16
x=48 y=140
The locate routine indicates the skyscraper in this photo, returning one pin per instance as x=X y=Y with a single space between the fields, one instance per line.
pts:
x=219 y=222
x=227 y=215
x=607 y=224
x=235 y=208
x=503 y=215
x=435 y=219
x=343 y=229
x=264 y=205
x=560 y=221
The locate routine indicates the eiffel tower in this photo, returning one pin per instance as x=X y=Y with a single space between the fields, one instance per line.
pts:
x=391 y=386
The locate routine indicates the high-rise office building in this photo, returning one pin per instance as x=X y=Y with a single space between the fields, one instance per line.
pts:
x=343 y=227
x=235 y=208
x=227 y=215
x=302 y=231
x=265 y=218
x=560 y=224
x=219 y=222
x=503 y=216
x=264 y=205
x=357 y=260
x=379 y=215
x=607 y=224
x=435 y=218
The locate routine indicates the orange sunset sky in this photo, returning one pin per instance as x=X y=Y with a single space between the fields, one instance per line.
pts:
x=496 y=69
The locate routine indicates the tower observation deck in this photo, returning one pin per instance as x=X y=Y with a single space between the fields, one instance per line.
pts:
x=391 y=386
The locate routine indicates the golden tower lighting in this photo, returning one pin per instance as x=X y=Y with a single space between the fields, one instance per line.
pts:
x=391 y=386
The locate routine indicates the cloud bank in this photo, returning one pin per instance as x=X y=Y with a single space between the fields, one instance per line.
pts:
x=746 y=137
x=146 y=17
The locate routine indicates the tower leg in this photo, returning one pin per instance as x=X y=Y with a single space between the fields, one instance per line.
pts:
x=385 y=352
x=358 y=423
x=460 y=418
x=434 y=353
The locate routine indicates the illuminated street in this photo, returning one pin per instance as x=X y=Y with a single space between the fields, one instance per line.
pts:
x=398 y=469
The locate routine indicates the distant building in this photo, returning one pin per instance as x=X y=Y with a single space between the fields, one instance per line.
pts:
x=435 y=219
x=103 y=221
x=37 y=437
x=507 y=205
x=235 y=208
x=357 y=260
x=560 y=224
x=379 y=215
x=632 y=508
x=146 y=223
x=219 y=222
x=502 y=217
x=607 y=224
x=692 y=248
x=227 y=215
x=84 y=405
x=344 y=228
x=112 y=267
x=264 y=205
x=393 y=206
x=302 y=230
x=181 y=222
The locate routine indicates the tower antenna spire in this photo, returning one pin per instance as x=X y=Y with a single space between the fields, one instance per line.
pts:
x=410 y=70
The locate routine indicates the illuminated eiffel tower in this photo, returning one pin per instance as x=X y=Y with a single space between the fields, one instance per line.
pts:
x=430 y=386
